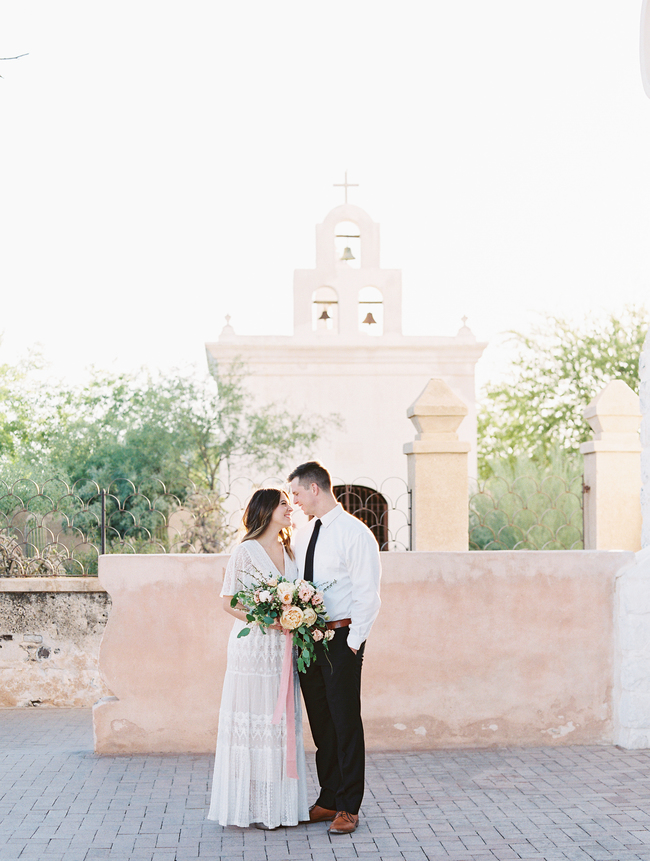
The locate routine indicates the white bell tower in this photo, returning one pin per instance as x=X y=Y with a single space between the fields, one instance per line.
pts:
x=347 y=297
x=347 y=355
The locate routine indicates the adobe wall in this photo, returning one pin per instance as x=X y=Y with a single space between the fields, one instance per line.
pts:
x=470 y=649
x=493 y=648
x=50 y=631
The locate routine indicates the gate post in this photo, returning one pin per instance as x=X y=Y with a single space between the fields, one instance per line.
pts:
x=612 y=504
x=437 y=470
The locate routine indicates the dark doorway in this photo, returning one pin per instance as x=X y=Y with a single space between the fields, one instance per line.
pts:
x=369 y=506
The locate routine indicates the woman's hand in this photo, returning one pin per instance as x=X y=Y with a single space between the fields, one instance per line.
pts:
x=238 y=612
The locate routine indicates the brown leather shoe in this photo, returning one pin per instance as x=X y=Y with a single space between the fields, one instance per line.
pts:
x=321 y=814
x=345 y=823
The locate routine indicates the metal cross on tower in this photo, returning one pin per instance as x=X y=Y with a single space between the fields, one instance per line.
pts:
x=346 y=185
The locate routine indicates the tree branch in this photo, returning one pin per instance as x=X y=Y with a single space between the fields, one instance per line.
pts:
x=13 y=58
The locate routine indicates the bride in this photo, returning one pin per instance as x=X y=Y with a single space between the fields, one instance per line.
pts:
x=251 y=784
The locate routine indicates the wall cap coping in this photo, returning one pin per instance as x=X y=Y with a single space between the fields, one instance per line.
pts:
x=433 y=446
x=92 y=584
x=633 y=444
x=50 y=584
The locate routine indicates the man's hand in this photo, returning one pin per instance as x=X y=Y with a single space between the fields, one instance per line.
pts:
x=353 y=650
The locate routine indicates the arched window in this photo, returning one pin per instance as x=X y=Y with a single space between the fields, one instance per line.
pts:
x=347 y=239
x=369 y=506
x=371 y=311
x=325 y=310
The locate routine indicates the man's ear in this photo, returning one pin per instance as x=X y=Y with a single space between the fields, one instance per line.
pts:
x=315 y=489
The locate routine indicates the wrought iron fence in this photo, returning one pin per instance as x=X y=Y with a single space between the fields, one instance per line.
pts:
x=384 y=508
x=60 y=529
x=527 y=514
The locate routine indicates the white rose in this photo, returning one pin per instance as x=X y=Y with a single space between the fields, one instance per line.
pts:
x=265 y=596
x=285 y=592
x=309 y=615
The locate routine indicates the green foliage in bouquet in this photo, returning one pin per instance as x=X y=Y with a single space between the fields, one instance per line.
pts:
x=293 y=604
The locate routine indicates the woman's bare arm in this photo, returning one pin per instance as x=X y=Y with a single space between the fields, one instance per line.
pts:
x=238 y=612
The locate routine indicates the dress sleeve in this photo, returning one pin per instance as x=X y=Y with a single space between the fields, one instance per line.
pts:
x=237 y=571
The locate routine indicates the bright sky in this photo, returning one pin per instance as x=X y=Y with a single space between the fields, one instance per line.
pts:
x=164 y=164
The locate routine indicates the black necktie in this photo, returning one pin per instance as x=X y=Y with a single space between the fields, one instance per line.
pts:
x=309 y=558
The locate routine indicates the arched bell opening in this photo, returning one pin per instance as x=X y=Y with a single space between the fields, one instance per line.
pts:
x=325 y=310
x=371 y=311
x=347 y=244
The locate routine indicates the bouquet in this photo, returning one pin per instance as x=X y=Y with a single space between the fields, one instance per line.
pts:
x=295 y=604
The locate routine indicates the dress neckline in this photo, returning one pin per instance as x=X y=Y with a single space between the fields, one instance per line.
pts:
x=284 y=556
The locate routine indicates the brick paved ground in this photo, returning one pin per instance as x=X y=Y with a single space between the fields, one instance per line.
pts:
x=59 y=802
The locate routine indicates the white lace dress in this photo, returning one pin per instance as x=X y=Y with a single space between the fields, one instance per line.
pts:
x=250 y=783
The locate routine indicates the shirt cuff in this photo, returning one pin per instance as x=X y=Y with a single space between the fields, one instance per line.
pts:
x=354 y=641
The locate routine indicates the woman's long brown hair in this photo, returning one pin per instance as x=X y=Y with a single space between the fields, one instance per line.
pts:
x=258 y=515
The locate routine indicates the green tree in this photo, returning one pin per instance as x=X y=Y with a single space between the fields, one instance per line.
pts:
x=18 y=406
x=155 y=442
x=177 y=428
x=557 y=370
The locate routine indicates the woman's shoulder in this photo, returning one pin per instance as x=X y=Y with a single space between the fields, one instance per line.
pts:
x=241 y=553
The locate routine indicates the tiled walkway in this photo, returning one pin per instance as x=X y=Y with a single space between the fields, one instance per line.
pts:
x=59 y=801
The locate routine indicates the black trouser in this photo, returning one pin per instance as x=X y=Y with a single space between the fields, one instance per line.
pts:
x=331 y=688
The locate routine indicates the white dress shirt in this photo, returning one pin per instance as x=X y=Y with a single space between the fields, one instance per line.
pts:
x=346 y=552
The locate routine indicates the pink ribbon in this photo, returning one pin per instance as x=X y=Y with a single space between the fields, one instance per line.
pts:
x=286 y=705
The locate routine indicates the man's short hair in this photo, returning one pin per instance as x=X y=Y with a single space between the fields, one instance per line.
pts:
x=312 y=472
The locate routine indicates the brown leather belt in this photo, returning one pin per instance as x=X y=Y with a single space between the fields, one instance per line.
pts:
x=341 y=623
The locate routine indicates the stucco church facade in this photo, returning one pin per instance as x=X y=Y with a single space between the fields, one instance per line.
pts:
x=348 y=355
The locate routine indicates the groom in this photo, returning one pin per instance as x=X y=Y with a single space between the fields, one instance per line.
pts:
x=336 y=548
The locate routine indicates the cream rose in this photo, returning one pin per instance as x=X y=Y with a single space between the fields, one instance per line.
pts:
x=309 y=616
x=291 y=618
x=285 y=592
x=317 y=635
x=329 y=635
x=264 y=595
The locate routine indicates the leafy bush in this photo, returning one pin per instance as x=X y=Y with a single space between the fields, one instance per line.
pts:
x=525 y=506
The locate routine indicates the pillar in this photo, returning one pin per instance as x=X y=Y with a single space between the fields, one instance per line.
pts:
x=612 y=513
x=437 y=470
x=644 y=398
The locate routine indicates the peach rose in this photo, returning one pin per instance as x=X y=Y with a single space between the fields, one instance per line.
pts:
x=285 y=592
x=317 y=635
x=329 y=635
x=309 y=616
x=291 y=618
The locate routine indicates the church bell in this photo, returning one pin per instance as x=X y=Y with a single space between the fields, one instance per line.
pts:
x=369 y=320
x=347 y=254
x=324 y=315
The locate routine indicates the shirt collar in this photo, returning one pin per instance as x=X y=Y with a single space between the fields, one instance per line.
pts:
x=331 y=516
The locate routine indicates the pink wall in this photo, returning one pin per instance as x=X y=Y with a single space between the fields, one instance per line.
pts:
x=470 y=649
